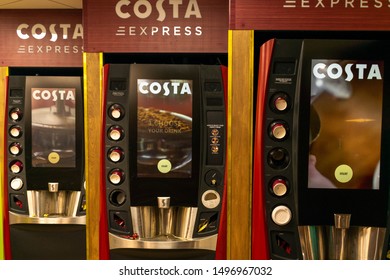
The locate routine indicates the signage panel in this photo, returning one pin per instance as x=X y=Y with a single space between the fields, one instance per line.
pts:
x=190 y=26
x=41 y=38
x=310 y=15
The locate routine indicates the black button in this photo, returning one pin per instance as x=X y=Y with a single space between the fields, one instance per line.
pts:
x=278 y=158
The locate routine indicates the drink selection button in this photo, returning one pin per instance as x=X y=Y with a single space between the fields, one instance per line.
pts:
x=279 y=187
x=15 y=149
x=281 y=215
x=16 y=184
x=16 y=114
x=278 y=130
x=116 y=112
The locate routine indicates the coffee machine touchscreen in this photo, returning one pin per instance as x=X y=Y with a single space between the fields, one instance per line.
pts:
x=164 y=142
x=345 y=124
x=53 y=127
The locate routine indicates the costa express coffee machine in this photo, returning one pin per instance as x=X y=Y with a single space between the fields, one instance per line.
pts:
x=321 y=180
x=164 y=164
x=44 y=169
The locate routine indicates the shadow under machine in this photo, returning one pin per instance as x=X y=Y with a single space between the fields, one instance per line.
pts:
x=164 y=161
x=44 y=168
x=321 y=179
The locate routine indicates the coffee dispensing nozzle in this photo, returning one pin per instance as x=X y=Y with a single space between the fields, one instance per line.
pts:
x=341 y=223
x=53 y=187
x=165 y=216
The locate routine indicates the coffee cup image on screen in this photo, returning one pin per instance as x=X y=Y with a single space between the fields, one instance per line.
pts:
x=164 y=133
x=345 y=124
x=53 y=127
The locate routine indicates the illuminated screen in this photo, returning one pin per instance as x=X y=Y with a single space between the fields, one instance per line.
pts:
x=164 y=133
x=345 y=124
x=53 y=127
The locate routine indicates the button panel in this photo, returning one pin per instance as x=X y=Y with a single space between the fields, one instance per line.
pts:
x=278 y=154
x=15 y=152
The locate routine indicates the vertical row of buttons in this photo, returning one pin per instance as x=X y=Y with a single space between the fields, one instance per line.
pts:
x=15 y=149
x=278 y=157
x=115 y=154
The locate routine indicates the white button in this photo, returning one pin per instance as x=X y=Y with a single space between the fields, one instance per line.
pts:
x=14 y=149
x=116 y=113
x=115 y=134
x=281 y=215
x=15 y=132
x=16 y=184
x=115 y=178
x=15 y=116
x=279 y=131
x=16 y=167
x=280 y=104
x=279 y=187
x=115 y=156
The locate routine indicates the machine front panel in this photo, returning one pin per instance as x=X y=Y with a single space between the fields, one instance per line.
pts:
x=44 y=176
x=324 y=156
x=164 y=154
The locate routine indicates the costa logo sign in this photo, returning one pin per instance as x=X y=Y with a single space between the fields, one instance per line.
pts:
x=164 y=87
x=53 y=94
x=347 y=4
x=350 y=71
x=55 y=31
x=143 y=9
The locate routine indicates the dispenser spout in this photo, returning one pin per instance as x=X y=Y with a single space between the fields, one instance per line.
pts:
x=165 y=217
x=163 y=202
x=53 y=187
x=342 y=223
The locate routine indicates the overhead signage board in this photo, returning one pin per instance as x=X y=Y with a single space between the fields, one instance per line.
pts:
x=162 y=26
x=343 y=15
x=41 y=38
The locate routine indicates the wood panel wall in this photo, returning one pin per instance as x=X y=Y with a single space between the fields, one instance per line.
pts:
x=240 y=144
x=93 y=119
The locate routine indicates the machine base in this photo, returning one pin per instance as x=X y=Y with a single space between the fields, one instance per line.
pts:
x=161 y=254
x=48 y=242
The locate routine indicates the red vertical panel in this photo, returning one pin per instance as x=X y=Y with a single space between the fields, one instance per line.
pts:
x=260 y=243
x=6 y=230
x=104 y=250
x=221 y=253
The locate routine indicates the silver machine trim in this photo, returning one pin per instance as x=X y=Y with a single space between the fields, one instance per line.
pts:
x=24 y=219
x=206 y=243
x=341 y=241
x=163 y=228
x=47 y=207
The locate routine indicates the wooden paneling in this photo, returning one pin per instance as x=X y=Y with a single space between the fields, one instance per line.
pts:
x=310 y=15
x=240 y=144
x=93 y=121
x=3 y=74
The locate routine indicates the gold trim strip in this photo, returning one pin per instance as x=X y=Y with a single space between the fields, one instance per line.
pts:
x=240 y=143
x=4 y=72
x=92 y=65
